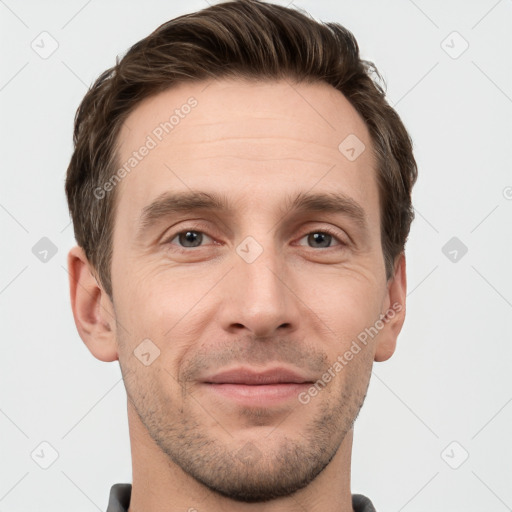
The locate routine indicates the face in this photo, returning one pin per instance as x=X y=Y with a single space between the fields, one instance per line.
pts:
x=247 y=260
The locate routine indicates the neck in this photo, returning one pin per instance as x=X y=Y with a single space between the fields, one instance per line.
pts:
x=160 y=485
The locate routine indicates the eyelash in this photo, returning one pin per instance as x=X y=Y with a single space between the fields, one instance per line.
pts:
x=327 y=231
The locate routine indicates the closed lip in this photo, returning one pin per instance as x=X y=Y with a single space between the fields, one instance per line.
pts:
x=250 y=377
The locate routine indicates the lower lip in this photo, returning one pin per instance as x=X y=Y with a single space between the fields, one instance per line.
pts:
x=259 y=395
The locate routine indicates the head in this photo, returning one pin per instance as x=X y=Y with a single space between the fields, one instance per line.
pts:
x=241 y=198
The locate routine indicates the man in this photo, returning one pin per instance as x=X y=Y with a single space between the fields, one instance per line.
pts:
x=241 y=197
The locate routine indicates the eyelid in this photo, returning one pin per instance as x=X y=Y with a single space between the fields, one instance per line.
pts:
x=191 y=227
x=328 y=230
x=201 y=229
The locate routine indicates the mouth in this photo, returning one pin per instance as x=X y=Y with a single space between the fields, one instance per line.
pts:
x=248 y=387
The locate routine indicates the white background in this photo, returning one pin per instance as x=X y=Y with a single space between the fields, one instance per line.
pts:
x=450 y=377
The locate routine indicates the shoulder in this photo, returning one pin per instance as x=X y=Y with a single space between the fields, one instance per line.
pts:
x=119 y=499
x=361 y=503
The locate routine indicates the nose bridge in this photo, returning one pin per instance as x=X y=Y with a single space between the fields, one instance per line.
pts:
x=260 y=267
x=257 y=298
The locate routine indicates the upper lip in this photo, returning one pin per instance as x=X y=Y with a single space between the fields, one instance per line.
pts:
x=248 y=376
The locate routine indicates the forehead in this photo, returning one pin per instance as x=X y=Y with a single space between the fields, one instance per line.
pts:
x=251 y=140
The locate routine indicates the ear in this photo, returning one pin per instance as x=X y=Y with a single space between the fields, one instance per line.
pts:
x=93 y=310
x=394 y=309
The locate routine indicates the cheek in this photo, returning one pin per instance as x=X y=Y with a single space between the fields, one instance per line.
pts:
x=167 y=307
x=347 y=301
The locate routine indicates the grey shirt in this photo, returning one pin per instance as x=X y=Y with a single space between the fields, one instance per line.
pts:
x=120 y=500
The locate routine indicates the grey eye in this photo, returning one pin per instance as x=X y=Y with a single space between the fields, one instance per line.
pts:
x=319 y=239
x=189 y=238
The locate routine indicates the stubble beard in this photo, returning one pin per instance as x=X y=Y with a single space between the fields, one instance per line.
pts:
x=259 y=469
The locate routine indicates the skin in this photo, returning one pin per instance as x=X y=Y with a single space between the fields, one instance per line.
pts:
x=298 y=304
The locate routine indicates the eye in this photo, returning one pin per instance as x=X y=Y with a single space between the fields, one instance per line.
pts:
x=192 y=238
x=322 y=239
x=189 y=238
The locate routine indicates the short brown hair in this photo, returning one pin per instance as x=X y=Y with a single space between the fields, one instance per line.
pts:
x=241 y=39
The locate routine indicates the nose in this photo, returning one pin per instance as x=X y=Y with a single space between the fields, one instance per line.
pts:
x=258 y=297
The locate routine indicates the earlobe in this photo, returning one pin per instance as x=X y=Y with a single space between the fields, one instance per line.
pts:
x=395 y=312
x=92 y=309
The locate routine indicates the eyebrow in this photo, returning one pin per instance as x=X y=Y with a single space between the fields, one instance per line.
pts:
x=171 y=203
